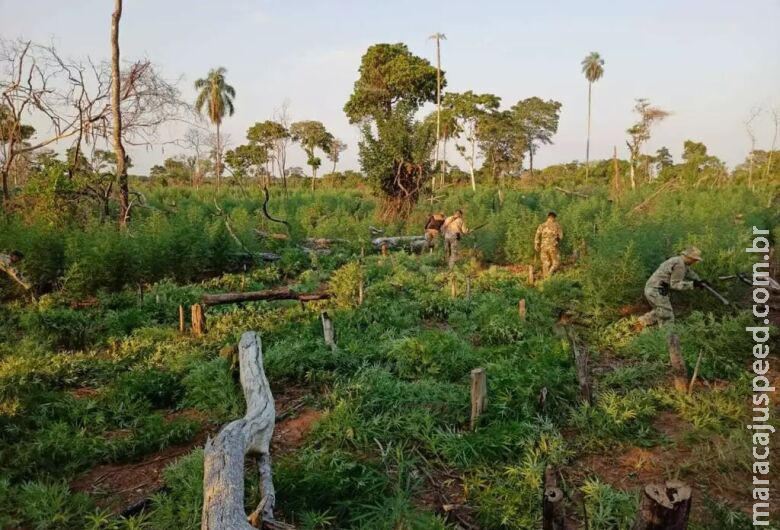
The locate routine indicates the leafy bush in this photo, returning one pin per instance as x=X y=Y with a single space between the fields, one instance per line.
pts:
x=209 y=387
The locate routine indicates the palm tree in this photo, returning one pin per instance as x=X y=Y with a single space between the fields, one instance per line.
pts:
x=217 y=96
x=593 y=68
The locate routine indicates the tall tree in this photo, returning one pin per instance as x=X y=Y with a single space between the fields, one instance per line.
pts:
x=501 y=142
x=116 y=109
x=438 y=37
x=269 y=135
x=663 y=159
x=217 y=97
x=396 y=148
x=334 y=151
x=469 y=108
x=639 y=133
x=12 y=133
x=593 y=68
x=538 y=119
x=311 y=135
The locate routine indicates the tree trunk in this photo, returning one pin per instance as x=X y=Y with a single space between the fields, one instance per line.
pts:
x=531 y=160
x=119 y=149
x=328 y=331
x=473 y=160
x=6 y=170
x=254 y=296
x=587 y=144
x=438 y=103
x=218 y=167
x=443 y=161
x=223 y=456
x=664 y=507
x=679 y=372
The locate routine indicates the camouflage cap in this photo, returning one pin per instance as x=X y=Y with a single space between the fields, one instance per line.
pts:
x=693 y=253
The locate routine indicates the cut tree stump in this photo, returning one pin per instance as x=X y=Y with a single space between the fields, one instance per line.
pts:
x=254 y=296
x=553 y=511
x=181 y=319
x=664 y=507
x=521 y=309
x=679 y=372
x=198 y=320
x=328 y=331
x=530 y=275
x=223 y=456
x=581 y=362
x=479 y=397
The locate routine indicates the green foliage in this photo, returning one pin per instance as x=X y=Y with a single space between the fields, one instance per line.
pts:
x=45 y=506
x=608 y=508
x=209 y=386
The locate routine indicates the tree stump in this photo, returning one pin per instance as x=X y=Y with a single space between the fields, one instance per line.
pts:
x=361 y=292
x=679 y=372
x=181 y=319
x=521 y=308
x=479 y=398
x=328 y=331
x=453 y=288
x=581 y=362
x=530 y=275
x=198 y=320
x=223 y=456
x=664 y=507
x=553 y=512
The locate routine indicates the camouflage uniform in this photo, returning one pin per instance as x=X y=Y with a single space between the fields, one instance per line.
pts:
x=671 y=274
x=433 y=230
x=453 y=228
x=548 y=236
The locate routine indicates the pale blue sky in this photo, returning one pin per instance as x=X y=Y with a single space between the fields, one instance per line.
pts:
x=709 y=62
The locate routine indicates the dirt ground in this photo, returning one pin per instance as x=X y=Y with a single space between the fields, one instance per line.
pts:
x=122 y=487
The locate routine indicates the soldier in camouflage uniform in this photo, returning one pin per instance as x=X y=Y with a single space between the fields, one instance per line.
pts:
x=433 y=229
x=453 y=229
x=546 y=241
x=673 y=274
x=8 y=264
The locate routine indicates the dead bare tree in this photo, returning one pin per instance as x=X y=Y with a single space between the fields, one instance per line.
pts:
x=74 y=99
x=754 y=113
x=282 y=117
x=776 y=123
x=116 y=114
x=195 y=139
x=639 y=133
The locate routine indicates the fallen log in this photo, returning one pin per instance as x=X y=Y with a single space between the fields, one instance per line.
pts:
x=569 y=192
x=319 y=243
x=255 y=296
x=223 y=456
x=411 y=242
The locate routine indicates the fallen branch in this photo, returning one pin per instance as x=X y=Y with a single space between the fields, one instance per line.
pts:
x=411 y=242
x=269 y=295
x=265 y=210
x=569 y=192
x=223 y=456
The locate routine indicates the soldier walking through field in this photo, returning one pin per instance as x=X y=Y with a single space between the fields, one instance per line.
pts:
x=453 y=229
x=548 y=237
x=433 y=229
x=673 y=274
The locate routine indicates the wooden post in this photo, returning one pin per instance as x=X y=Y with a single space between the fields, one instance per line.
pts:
x=581 y=361
x=181 y=319
x=468 y=288
x=521 y=309
x=453 y=288
x=198 y=321
x=479 y=398
x=679 y=372
x=384 y=249
x=664 y=507
x=543 y=399
x=553 y=513
x=328 y=331
x=695 y=372
x=530 y=275
x=361 y=293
